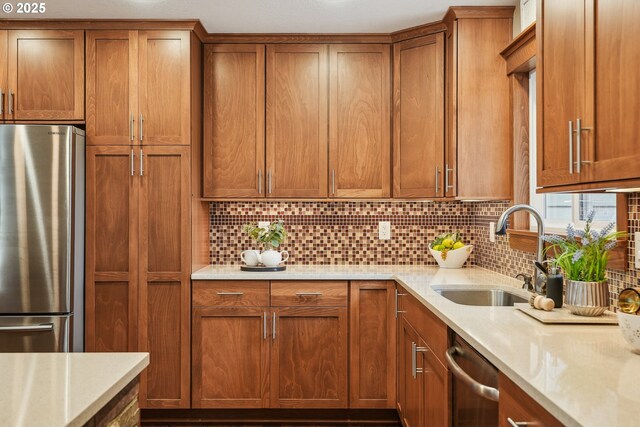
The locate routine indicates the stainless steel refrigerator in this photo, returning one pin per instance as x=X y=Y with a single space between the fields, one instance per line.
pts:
x=41 y=238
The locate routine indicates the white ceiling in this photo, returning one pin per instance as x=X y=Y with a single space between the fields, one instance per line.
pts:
x=269 y=16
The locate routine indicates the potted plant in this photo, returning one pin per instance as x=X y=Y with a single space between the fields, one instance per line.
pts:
x=270 y=238
x=583 y=256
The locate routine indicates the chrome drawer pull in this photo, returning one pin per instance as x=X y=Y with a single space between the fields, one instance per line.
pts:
x=230 y=293
x=309 y=294
x=519 y=423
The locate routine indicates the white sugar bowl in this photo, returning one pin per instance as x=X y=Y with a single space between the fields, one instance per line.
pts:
x=630 y=328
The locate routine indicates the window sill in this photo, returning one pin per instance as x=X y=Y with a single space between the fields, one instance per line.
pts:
x=527 y=241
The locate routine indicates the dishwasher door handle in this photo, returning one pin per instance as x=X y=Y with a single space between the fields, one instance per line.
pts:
x=482 y=390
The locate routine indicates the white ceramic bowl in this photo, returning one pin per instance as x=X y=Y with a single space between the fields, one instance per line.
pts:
x=630 y=327
x=454 y=258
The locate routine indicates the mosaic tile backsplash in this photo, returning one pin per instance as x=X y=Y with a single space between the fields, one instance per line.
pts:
x=347 y=233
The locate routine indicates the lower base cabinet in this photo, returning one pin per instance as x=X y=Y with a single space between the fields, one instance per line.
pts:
x=516 y=408
x=423 y=381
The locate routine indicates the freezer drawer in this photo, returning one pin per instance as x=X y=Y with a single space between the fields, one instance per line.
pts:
x=34 y=334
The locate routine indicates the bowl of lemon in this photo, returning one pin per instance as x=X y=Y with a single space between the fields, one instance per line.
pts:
x=450 y=251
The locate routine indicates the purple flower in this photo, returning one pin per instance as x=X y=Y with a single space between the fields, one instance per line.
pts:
x=577 y=255
x=554 y=239
x=571 y=233
x=610 y=245
x=591 y=216
x=606 y=230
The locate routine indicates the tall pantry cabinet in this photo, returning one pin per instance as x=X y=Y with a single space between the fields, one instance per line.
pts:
x=139 y=132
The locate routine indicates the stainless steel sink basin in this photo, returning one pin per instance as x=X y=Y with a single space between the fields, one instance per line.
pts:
x=481 y=297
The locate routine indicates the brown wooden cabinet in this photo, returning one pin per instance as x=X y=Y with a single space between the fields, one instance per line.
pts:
x=372 y=338
x=138 y=87
x=231 y=343
x=418 y=137
x=165 y=272
x=42 y=75
x=587 y=86
x=478 y=155
x=359 y=121
x=138 y=263
x=518 y=408
x=423 y=380
x=297 y=120
x=234 y=108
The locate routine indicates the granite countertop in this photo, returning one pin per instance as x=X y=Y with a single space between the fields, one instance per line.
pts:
x=62 y=389
x=582 y=374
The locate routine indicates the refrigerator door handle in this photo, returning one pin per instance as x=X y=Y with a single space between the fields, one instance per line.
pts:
x=43 y=327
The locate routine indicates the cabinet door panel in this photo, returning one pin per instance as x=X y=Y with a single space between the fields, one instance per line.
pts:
x=112 y=80
x=410 y=387
x=230 y=358
x=111 y=265
x=46 y=74
x=164 y=277
x=616 y=154
x=418 y=140
x=297 y=120
x=234 y=108
x=164 y=87
x=359 y=123
x=436 y=390
x=309 y=358
x=560 y=89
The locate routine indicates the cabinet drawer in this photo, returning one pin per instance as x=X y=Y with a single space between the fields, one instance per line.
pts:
x=230 y=293
x=428 y=325
x=520 y=408
x=309 y=294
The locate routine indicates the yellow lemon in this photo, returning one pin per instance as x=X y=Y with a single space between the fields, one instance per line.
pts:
x=447 y=243
x=458 y=245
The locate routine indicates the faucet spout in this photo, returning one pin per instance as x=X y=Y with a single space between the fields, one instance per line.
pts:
x=501 y=229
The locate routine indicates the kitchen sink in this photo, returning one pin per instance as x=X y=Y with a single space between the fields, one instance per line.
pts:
x=482 y=297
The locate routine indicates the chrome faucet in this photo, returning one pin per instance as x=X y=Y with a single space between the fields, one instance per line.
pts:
x=540 y=281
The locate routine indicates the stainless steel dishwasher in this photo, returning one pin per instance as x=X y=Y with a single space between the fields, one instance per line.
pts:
x=474 y=386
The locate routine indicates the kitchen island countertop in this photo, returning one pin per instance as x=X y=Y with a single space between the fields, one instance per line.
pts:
x=585 y=375
x=62 y=389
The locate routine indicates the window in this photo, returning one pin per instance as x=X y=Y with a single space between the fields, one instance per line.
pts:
x=560 y=209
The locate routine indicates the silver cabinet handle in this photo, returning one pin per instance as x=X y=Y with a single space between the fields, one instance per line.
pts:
x=309 y=294
x=259 y=181
x=141 y=163
x=264 y=325
x=447 y=186
x=230 y=293
x=414 y=359
x=133 y=172
x=578 y=144
x=273 y=326
x=478 y=388
x=141 y=126
x=519 y=423
x=1 y=102
x=10 y=101
x=269 y=182
x=398 y=295
x=333 y=182
x=570 y=147
x=437 y=183
x=131 y=129
x=43 y=327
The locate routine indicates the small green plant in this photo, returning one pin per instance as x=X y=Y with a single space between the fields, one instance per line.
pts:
x=271 y=237
x=583 y=254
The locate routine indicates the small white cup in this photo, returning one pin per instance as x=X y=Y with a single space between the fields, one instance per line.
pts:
x=272 y=258
x=250 y=257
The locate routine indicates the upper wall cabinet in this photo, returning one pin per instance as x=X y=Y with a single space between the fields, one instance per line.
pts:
x=478 y=155
x=297 y=120
x=359 y=121
x=587 y=93
x=138 y=87
x=234 y=145
x=327 y=127
x=418 y=136
x=41 y=75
